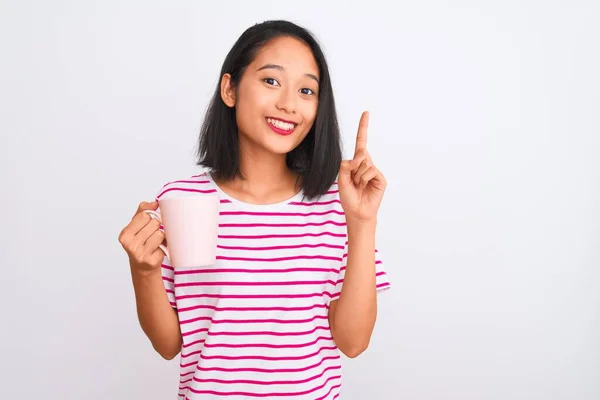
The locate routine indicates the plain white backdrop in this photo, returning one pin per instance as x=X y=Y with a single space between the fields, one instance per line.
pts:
x=484 y=119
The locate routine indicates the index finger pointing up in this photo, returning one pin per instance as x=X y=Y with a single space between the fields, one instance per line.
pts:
x=361 y=136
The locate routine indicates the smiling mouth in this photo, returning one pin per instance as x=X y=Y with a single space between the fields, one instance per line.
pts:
x=281 y=127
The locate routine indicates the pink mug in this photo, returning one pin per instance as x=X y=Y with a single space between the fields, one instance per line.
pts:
x=190 y=224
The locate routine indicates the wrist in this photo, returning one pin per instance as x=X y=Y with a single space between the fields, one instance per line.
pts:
x=140 y=272
x=361 y=225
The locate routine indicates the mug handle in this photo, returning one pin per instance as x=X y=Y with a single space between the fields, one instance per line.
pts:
x=156 y=215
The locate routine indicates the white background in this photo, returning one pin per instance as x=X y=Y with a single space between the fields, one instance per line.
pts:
x=484 y=119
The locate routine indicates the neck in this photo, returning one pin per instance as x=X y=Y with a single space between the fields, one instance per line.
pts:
x=266 y=175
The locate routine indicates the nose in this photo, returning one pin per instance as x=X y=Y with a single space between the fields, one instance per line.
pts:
x=286 y=100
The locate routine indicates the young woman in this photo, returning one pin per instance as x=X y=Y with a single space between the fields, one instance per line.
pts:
x=297 y=273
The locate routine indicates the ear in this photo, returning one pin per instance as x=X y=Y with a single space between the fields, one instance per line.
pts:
x=227 y=91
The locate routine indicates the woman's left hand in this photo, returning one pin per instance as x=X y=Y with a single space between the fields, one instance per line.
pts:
x=360 y=183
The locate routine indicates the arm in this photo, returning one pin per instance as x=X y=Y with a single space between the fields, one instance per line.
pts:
x=352 y=316
x=158 y=319
x=361 y=187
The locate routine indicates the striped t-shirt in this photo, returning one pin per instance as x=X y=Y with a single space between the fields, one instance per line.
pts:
x=254 y=325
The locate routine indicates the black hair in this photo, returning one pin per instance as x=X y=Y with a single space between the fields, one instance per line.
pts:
x=316 y=159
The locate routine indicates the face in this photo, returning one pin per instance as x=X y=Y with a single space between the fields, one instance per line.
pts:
x=277 y=97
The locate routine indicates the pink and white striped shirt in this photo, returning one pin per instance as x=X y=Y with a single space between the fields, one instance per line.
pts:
x=254 y=325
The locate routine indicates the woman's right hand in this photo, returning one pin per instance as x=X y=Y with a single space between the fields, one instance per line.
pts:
x=141 y=239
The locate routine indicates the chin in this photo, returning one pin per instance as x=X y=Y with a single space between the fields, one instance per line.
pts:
x=282 y=144
x=280 y=149
x=274 y=143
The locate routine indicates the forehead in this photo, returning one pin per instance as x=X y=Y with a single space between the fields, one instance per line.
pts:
x=292 y=54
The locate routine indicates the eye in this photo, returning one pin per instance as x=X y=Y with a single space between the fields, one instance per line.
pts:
x=271 y=81
x=307 y=91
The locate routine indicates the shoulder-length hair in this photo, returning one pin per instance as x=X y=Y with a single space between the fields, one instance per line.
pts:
x=316 y=159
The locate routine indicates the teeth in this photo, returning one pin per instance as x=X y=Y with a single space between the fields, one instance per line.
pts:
x=281 y=125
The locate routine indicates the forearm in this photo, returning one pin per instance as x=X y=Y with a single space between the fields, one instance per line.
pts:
x=356 y=309
x=158 y=319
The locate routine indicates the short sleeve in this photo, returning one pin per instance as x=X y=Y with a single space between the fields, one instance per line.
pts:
x=382 y=281
x=168 y=272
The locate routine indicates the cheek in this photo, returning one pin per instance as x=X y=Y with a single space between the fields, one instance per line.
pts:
x=310 y=112
x=247 y=110
x=252 y=104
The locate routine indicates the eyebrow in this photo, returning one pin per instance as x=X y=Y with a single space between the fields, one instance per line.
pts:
x=280 y=68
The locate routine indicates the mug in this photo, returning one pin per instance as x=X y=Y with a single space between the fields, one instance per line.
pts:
x=190 y=224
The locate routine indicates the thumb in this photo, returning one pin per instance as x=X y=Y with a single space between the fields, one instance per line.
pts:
x=345 y=175
x=144 y=205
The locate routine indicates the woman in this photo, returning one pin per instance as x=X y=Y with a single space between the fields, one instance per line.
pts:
x=297 y=273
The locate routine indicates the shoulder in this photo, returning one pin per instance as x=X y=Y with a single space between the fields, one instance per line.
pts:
x=194 y=185
x=332 y=195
